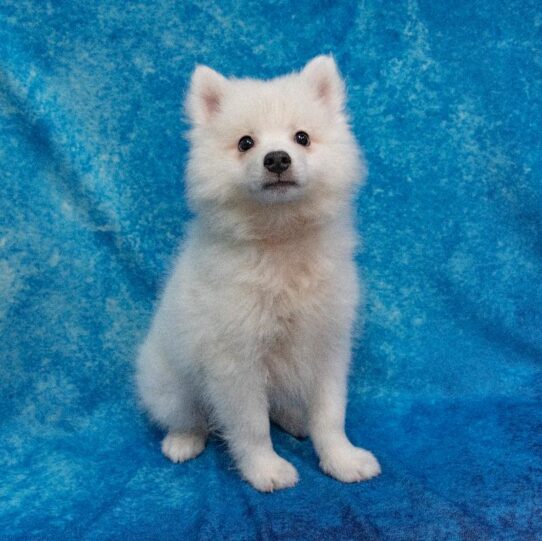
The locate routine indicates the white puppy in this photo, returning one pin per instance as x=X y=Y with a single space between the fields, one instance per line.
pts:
x=256 y=320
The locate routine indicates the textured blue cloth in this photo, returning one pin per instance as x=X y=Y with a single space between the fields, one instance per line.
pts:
x=446 y=387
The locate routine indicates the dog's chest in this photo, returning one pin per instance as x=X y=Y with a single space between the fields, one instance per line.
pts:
x=290 y=286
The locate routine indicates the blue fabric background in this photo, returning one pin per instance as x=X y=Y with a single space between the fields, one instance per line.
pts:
x=446 y=388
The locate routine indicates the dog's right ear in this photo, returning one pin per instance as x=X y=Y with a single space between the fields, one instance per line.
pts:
x=206 y=93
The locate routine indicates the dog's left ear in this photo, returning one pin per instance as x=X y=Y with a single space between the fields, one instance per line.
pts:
x=323 y=75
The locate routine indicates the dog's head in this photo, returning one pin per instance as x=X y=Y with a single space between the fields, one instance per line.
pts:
x=271 y=143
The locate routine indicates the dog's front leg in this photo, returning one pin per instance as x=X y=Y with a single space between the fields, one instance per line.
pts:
x=338 y=457
x=241 y=411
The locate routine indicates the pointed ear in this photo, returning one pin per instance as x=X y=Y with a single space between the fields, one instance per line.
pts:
x=206 y=93
x=324 y=77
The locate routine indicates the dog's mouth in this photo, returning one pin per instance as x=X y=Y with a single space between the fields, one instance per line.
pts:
x=280 y=184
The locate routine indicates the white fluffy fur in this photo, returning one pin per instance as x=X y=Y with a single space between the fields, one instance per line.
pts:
x=255 y=321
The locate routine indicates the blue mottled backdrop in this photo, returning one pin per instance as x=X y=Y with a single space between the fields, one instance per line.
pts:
x=446 y=388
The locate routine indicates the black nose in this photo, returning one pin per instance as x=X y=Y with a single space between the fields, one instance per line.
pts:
x=277 y=161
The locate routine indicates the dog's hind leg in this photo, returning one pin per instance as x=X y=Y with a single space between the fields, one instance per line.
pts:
x=171 y=403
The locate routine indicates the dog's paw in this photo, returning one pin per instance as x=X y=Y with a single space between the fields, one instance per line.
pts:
x=350 y=464
x=181 y=446
x=269 y=473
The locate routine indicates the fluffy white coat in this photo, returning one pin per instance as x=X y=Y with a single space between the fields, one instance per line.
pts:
x=256 y=319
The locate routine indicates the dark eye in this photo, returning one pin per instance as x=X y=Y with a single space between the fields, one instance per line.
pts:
x=302 y=138
x=245 y=143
